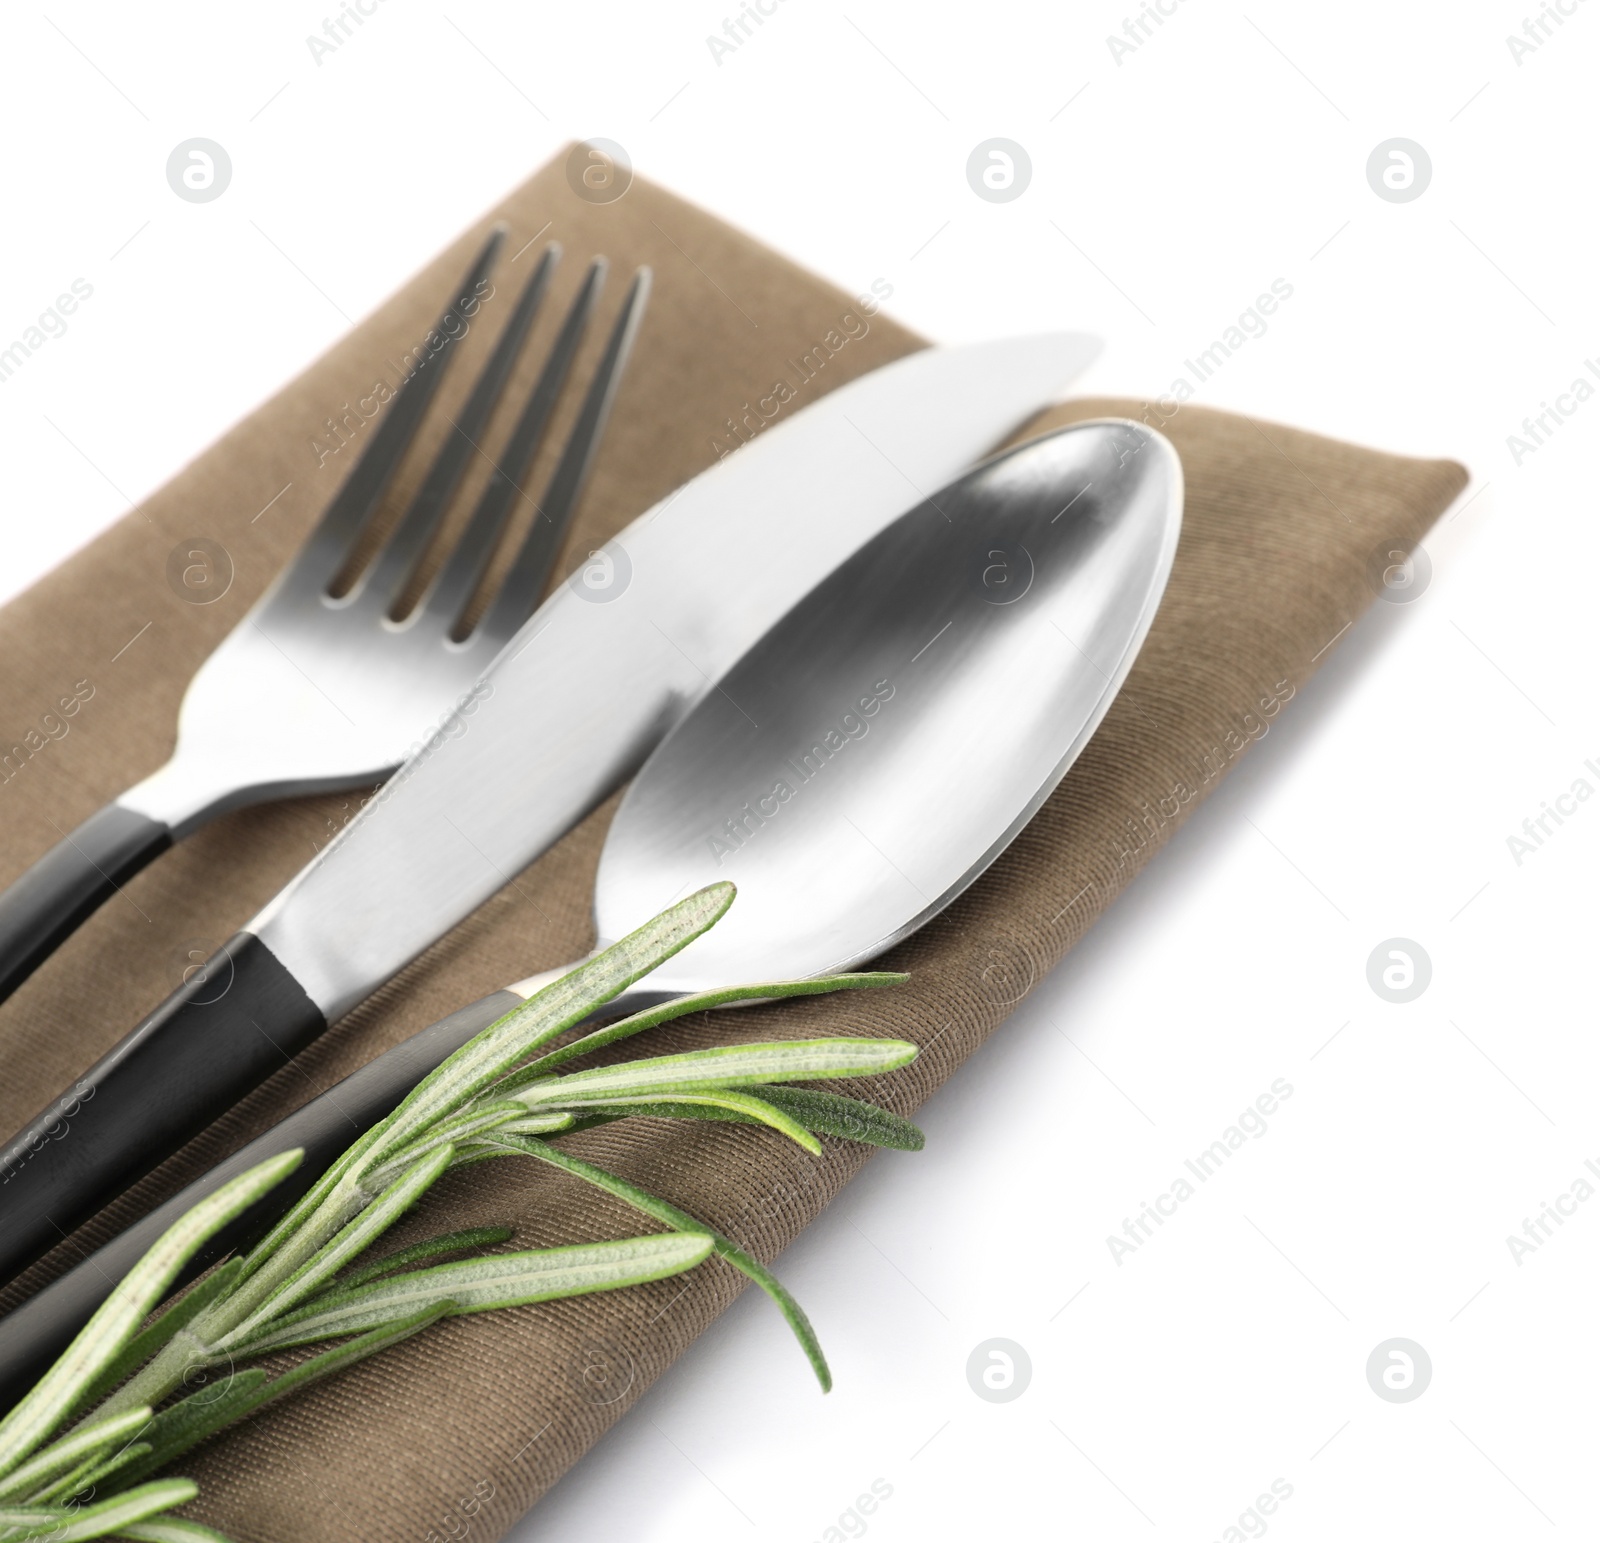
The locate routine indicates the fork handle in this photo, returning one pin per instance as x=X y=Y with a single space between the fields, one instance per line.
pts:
x=228 y=1028
x=70 y=881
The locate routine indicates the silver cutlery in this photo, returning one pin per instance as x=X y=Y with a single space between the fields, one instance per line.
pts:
x=852 y=773
x=312 y=692
x=567 y=713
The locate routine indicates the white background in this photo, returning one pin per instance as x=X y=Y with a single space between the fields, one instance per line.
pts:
x=1168 y=188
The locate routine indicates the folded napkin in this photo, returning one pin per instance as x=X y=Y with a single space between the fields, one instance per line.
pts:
x=485 y=1413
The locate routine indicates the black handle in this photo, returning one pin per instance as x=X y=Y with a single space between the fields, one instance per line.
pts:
x=33 y=1335
x=70 y=881
x=224 y=1032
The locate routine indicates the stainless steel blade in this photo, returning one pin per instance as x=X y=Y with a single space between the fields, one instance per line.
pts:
x=616 y=655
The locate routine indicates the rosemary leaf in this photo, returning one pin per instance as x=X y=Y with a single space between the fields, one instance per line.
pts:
x=823 y=1114
x=832 y=1114
x=650 y=1017
x=500 y=1280
x=724 y=1247
x=98 y=1474
x=723 y=1065
x=421 y=1253
x=735 y=1105
x=534 y=1125
x=63 y=1387
x=88 y=1441
x=97 y=1521
x=171 y=1529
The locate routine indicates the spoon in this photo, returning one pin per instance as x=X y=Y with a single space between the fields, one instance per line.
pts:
x=881 y=745
x=851 y=774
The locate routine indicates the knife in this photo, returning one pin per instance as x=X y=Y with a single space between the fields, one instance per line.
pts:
x=567 y=712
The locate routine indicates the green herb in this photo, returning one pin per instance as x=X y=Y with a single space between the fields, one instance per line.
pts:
x=79 y=1451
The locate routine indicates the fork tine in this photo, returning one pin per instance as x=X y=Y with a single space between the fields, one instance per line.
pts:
x=529 y=571
x=330 y=542
x=461 y=574
x=387 y=575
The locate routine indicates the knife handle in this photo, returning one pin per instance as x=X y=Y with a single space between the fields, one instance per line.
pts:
x=227 y=1029
x=34 y=1334
x=72 y=879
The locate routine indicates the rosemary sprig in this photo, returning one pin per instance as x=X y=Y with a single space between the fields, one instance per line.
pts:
x=79 y=1452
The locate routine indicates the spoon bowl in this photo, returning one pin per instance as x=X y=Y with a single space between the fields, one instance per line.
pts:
x=881 y=745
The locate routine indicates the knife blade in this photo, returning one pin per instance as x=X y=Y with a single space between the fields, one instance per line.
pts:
x=562 y=717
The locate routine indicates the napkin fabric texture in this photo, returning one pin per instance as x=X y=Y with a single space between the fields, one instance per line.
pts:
x=472 y=1421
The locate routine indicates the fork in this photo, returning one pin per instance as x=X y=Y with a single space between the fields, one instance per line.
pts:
x=315 y=691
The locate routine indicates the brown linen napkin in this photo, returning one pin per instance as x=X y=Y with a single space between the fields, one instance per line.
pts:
x=482 y=1415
